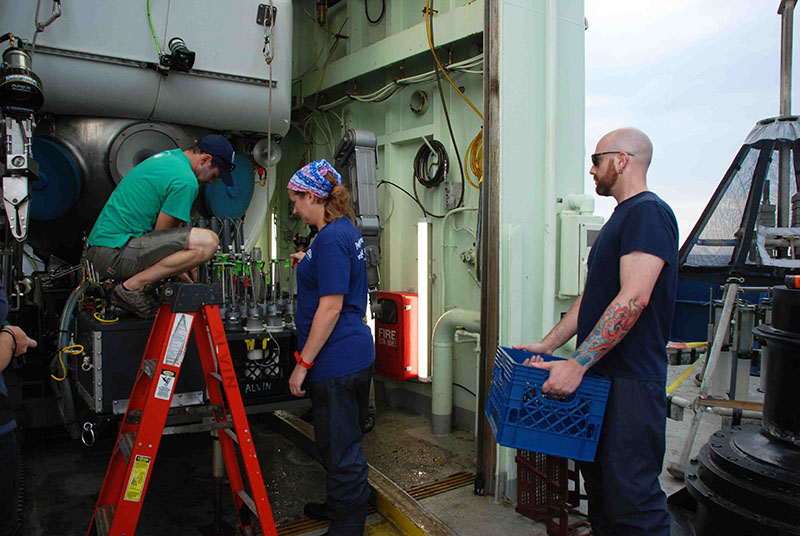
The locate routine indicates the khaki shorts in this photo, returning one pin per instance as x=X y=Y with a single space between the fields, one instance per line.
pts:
x=138 y=254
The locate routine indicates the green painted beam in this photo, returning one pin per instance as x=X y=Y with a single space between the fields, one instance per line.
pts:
x=450 y=26
x=408 y=135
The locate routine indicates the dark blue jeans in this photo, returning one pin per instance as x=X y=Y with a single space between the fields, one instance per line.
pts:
x=340 y=411
x=8 y=484
x=625 y=496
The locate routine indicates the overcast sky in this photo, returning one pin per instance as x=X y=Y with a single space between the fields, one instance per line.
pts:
x=695 y=75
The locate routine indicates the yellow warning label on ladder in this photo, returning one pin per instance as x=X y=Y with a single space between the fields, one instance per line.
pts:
x=141 y=466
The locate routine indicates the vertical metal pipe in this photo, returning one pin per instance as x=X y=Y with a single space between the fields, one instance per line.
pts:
x=786 y=11
x=278 y=279
x=273 y=290
x=551 y=157
x=490 y=240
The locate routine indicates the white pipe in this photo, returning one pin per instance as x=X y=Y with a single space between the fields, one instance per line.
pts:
x=579 y=202
x=551 y=153
x=474 y=336
x=442 y=390
x=257 y=211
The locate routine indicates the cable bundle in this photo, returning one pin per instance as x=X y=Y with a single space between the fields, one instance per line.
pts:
x=465 y=66
x=423 y=168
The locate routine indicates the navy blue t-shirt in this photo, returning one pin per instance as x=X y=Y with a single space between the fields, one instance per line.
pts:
x=641 y=223
x=336 y=263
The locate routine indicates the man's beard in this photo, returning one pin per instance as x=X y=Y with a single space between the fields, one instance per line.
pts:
x=603 y=185
x=204 y=173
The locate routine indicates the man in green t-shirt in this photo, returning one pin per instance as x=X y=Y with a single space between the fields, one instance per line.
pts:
x=142 y=234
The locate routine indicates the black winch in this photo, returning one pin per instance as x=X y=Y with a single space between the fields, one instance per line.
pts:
x=746 y=479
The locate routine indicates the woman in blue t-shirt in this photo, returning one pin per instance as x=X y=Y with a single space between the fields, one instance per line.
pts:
x=13 y=342
x=336 y=346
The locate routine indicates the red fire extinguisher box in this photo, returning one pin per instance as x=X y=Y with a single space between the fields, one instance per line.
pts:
x=396 y=335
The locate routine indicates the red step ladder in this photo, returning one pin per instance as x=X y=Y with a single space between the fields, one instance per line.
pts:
x=184 y=309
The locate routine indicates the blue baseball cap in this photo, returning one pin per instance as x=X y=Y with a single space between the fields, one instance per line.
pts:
x=221 y=153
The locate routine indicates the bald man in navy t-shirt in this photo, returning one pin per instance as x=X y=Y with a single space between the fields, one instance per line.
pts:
x=622 y=321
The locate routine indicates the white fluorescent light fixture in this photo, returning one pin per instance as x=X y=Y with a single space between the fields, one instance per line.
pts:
x=423 y=341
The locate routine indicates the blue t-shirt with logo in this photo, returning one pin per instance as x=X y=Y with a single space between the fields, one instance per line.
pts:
x=336 y=264
x=642 y=223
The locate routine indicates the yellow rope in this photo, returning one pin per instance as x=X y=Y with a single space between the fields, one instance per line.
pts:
x=473 y=159
x=436 y=58
x=98 y=315
x=73 y=349
x=683 y=376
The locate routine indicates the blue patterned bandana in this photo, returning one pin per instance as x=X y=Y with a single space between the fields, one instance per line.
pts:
x=311 y=178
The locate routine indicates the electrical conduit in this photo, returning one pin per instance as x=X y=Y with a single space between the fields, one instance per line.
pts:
x=443 y=335
x=550 y=171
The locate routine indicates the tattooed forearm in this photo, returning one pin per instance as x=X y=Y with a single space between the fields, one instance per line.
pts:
x=612 y=327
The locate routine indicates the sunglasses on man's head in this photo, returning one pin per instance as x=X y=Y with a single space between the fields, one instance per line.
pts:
x=218 y=160
x=596 y=156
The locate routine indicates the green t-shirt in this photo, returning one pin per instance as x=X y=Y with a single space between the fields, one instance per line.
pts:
x=163 y=183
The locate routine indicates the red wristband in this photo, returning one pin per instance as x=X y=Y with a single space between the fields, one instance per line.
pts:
x=300 y=360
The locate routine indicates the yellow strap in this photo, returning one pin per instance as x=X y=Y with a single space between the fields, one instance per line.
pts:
x=98 y=315
x=73 y=349
x=686 y=345
x=683 y=376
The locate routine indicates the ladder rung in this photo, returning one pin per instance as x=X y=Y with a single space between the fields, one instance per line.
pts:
x=135 y=415
x=200 y=427
x=126 y=442
x=149 y=367
x=103 y=518
x=232 y=434
x=216 y=376
x=248 y=501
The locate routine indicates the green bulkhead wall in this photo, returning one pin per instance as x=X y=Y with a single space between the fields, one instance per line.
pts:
x=541 y=81
x=369 y=58
x=351 y=56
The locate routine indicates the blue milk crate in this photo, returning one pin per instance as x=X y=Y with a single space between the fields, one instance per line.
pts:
x=523 y=417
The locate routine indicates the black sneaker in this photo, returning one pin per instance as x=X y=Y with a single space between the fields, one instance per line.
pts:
x=316 y=511
x=369 y=424
x=137 y=302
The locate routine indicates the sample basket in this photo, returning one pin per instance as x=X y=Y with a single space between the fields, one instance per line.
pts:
x=523 y=417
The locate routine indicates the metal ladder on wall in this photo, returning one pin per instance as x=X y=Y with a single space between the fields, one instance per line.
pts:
x=185 y=308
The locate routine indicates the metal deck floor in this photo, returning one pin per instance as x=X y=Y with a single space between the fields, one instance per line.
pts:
x=63 y=478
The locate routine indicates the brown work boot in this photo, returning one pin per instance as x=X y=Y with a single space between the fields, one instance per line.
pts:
x=137 y=302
